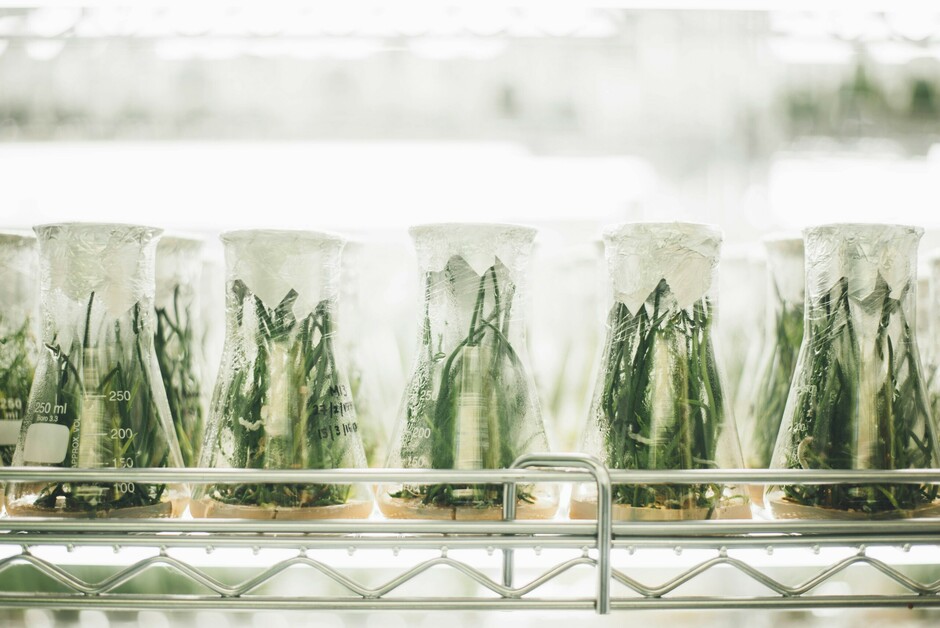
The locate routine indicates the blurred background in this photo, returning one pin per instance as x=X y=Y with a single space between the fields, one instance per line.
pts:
x=366 y=118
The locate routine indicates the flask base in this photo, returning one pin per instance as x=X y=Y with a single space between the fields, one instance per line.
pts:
x=21 y=501
x=587 y=509
x=415 y=508
x=163 y=510
x=782 y=508
x=208 y=508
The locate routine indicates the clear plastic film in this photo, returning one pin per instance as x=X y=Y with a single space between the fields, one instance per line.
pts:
x=97 y=400
x=783 y=333
x=178 y=339
x=282 y=400
x=19 y=299
x=659 y=403
x=858 y=399
x=470 y=402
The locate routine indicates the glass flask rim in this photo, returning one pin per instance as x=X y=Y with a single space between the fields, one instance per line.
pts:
x=236 y=236
x=97 y=228
x=845 y=229
x=621 y=230
x=446 y=229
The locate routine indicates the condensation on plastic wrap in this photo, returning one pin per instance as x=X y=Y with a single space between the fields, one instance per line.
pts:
x=178 y=339
x=470 y=402
x=19 y=292
x=783 y=333
x=282 y=399
x=858 y=399
x=97 y=399
x=659 y=402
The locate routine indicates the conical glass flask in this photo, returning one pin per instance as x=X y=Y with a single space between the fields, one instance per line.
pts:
x=783 y=333
x=470 y=402
x=178 y=342
x=282 y=400
x=659 y=403
x=19 y=297
x=97 y=400
x=858 y=399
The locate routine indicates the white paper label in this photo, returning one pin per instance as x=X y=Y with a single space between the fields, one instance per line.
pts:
x=9 y=432
x=46 y=443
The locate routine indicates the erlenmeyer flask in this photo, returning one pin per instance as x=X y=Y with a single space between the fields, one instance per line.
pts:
x=178 y=342
x=282 y=400
x=19 y=276
x=783 y=333
x=659 y=402
x=857 y=400
x=471 y=402
x=97 y=400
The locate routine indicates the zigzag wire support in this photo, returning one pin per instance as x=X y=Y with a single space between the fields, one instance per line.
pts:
x=603 y=537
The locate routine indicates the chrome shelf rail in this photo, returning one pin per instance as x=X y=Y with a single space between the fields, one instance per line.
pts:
x=601 y=565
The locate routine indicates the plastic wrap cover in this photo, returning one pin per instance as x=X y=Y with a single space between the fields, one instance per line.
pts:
x=114 y=261
x=640 y=255
x=480 y=245
x=860 y=253
x=272 y=263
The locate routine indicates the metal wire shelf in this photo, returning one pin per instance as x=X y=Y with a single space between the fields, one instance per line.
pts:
x=572 y=554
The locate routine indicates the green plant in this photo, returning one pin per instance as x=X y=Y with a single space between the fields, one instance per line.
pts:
x=660 y=405
x=175 y=345
x=16 y=377
x=859 y=403
x=111 y=415
x=286 y=408
x=770 y=397
x=471 y=415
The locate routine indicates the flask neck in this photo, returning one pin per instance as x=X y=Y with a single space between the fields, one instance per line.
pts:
x=647 y=259
x=866 y=260
x=115 y=263
x=294 y=271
